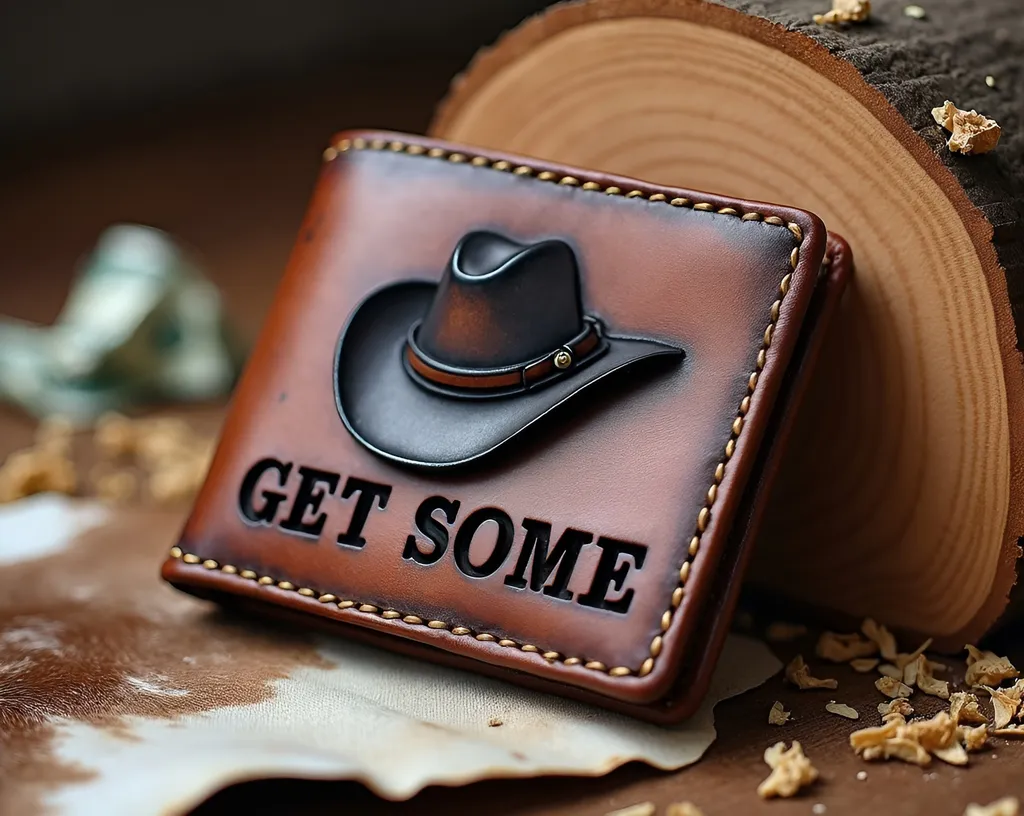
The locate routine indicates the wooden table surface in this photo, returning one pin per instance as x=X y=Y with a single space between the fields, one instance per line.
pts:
x=231 y=178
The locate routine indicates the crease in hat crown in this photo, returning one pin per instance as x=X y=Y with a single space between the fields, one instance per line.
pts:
x=502 y=303
x=505 y=317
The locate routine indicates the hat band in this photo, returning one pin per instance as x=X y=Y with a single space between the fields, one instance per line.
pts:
x=509 y=379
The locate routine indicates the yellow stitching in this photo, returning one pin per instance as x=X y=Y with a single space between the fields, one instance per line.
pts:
x=703 y=517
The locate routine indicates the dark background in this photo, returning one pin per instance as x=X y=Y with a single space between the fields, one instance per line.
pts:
x=205 y=118
x=67 y=62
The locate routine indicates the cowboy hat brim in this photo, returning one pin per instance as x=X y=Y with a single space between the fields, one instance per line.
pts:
x=391 y=415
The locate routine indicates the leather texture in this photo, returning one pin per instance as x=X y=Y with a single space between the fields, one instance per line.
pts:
x=646 y=494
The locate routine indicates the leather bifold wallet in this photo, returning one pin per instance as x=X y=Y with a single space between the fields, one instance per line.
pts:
x=516 y=417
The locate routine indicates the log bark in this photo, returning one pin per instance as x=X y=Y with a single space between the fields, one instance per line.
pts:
x=903 y=495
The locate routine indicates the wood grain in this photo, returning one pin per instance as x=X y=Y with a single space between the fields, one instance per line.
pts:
x=902 y=497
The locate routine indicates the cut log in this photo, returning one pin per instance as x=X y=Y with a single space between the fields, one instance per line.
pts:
x=903 y=494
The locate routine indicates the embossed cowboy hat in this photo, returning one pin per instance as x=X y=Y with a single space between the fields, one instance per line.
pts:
x=440 y=374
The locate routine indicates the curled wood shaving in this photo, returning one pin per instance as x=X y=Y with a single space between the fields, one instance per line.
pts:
x=914 y=742
x=842 y=648
x=974 y=739
x=842 y=710
x=780 y=632
x=921 y=671
x=778 y=715
x=987 y=668
x=864 y=664
x=683 y=809
x=845 y=11
x=899 y=748
x=791 y=771
x=891 y=687
x=882 y=636
x=970 y=132
x=1007 y=806
x=799 y=675
x=963 y=708
x=932 y=734
x=1005 y=703
x=875 y=735
x=899 y=706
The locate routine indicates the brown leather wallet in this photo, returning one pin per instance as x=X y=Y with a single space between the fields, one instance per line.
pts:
x=517 y=417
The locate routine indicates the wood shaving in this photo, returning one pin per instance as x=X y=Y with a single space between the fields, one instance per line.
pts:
x=843 y=648
x=791 y=771
x=921 y=672
x=914 y=742
x=778 y=715
x=987 y=668
x=54 y=433
x=915 y=12
x=842 y=710
x=899 y=706
x=876 y=735
x=178 y=481
x=963 y=708
x=36 y=470
x=175 y=457
x=882 y=636
x=889 y=670
x=639 y=809
x=115 y=435
x=845 y=11
x=974 y=739
x=891 y=687
x=970 y=132
x=932 y=734
x=953 y=754
x=780 y=632
x=1007 y=806
x=163 y=440
x=903 y=659
x=799 y=675
x=864 y=664
x=1005 y=703
x=900 y=748
x=116 y=487
x=683 y=809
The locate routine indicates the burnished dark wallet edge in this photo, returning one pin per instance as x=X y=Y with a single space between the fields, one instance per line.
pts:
x=679 y=681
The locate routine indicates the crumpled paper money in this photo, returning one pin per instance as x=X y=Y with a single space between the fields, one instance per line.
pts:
x=141 y=323
x=120 y=695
